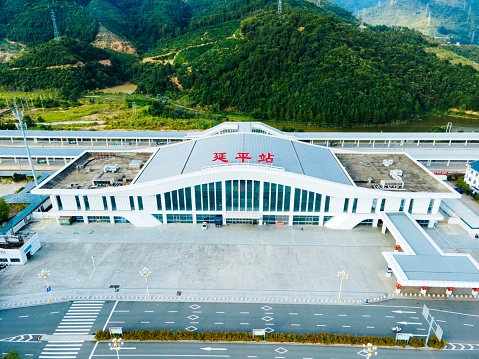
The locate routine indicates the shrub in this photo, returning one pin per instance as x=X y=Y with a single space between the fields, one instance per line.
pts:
x=436 y=343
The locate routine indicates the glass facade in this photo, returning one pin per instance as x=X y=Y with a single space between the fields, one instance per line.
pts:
x=383 y=204
x=132 y=203
x=113 y=203
x=105 y=203
x=179 y=218
x=411 y=205
x=355 y=205
x=374 y=205
x=306 y=220
x=140 y=203
x=59 y=203
x=101 y=219
x=120 y=220
x=87 y=204
x=158 y=202
x=431 y=205
x=77 y=201
x=346 y=205
x=401 y=206
x=276 y=218
x=159 y=217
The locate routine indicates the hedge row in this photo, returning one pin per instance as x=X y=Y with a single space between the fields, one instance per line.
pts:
x=321 y=338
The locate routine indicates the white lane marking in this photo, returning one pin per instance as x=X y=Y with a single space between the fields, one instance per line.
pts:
x=244 y=323
x=390 y=316
x=295 y=325
x=194 y=322
x=441 y=321
x=122 y=311
x=366 y=316
x=66 y=341
x=149 y=311
x=421 y=329
x=81 y=319
x=24 y=316
x=145 y=322
x=342 y=315
x=70 y=333
x=72 y=330
x=244 y=312
x=220 y=312
x=469 y=325
x=172 y=311
x=65 y=345
x=169 y=322
x=73 y=316
x=414 y=317
x=268 y=313
x=346 y=326
x=251 y=356
x=111 y=313
x=320 y=325
x=219 y=323
x=197 y=311
x=317 y=314
x=88 y=301
x=49 y=348
x=293 y=313
x=30 y=355
x=50 y=357
x=93 y=350
x=60 y=353
x=436 y=310
x=370 y=327
x=53 y=313
x=163 y=355
x=74 y=326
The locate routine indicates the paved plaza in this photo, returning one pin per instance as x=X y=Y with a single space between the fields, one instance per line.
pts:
x=235 y=261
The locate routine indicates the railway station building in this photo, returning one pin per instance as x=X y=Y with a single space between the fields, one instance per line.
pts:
x=244 y=173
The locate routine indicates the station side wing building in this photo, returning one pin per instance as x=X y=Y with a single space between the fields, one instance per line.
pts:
x=244 y=173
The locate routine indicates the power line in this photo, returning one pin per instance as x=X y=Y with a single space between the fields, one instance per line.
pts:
x=55 y=28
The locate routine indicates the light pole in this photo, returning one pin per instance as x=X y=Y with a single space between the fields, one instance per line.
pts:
x=43 y=274
x=343 y=276
x=369 y=350
x=116 y=344
x=145 y=272
x=93 y=259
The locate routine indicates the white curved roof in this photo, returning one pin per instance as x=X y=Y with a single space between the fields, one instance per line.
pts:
x=292 y=156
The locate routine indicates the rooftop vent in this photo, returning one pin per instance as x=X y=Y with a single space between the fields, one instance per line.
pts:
x=388 y=163
x=111 y=168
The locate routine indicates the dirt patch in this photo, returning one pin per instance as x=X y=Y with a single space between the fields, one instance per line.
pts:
x=108 y=40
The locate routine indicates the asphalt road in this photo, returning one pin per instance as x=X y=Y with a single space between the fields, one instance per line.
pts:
x=20 y=328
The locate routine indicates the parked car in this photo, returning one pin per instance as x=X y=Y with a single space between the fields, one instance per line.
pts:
x=204 y=227
x=458 y=190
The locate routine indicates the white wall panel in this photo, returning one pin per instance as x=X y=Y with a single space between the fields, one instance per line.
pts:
x=96 y=203
x=68 y=203
x=149 y=203
x=337 y=204
x=122 y=203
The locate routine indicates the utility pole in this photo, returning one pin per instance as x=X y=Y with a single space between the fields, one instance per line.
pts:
x=19 y=116
x=55 y=28
x=468 y=14
x=280 y=7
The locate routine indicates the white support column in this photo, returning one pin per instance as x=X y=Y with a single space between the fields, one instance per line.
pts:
x=374 y=142
x=327 y=143
x=418 y=142
x=106 y=141
x=358 y=144
x=11 y=139
x=76 y=139
x=65 y=159
x=465 y=143
x=149 y=143
x=137 y=141
x=61 y=140
x=49 y=140
x=389 y=143
x=450 y=143
x=48 y=162
x=35 y=140
x=433 y=143
x=92 y=141
x=448 y=162
x=342 y=143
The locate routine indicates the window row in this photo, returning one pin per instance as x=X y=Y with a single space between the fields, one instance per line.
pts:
x=276 y=197
x=208 y=197
x=242 y=195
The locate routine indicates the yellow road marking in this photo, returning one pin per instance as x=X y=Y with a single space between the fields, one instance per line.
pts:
x=449 y=230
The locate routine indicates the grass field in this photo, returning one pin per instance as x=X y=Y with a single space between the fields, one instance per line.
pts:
x=451 y=57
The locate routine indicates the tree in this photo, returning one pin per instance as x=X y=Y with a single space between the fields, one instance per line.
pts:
x=11 y=355
x=4 y=212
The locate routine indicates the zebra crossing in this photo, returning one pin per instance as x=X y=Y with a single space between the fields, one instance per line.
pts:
x=78 y=321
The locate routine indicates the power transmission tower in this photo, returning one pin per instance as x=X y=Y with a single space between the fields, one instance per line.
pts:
x=427 y=8
x=468 y=14
x=429 y=19
x=318 y=3
x=280 y=7
x=55 y=28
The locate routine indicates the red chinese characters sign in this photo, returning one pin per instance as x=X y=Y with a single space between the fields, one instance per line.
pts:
x=221 y=156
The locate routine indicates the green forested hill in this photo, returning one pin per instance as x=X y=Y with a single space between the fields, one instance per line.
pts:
x=449 y=20
x=304 y=66
x=70 y=65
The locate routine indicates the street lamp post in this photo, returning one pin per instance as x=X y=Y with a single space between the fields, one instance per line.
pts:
x=369 y=350
x=116 y=344
x=343 y=276
x=43 y=274
x=145 y=272
x=93 y=259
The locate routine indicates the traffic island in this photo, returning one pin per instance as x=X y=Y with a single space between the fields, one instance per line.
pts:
x=320 y=338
